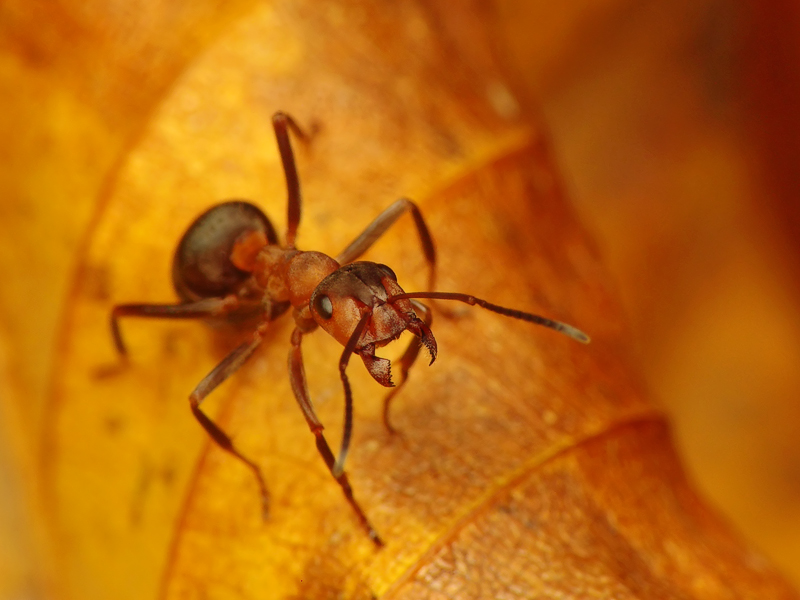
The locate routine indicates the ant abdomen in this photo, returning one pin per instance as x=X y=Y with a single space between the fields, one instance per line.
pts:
x=202 y=266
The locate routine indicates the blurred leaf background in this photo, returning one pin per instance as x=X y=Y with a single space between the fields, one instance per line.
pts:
x=676 y=128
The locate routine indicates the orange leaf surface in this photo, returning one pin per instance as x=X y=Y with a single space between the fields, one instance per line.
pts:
x=528 y=466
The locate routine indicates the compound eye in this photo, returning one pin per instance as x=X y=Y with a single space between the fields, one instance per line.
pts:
x=388 y=272
x=323 y=307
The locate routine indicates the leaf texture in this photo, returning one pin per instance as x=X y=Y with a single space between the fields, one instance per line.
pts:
x=528 y=466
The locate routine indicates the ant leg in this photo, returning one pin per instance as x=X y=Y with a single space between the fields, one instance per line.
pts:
x=205 y=308
x=338 y=468
x=406 y=361
x=220 y=373
x=282 y=123
x=297 y=377
x=382 y=223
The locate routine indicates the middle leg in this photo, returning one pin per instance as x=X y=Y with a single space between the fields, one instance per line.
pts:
x=220 y=373
x=381 y=224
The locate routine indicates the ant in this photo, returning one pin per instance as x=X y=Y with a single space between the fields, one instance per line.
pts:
x=230 y=265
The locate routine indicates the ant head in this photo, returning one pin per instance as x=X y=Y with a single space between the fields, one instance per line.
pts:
x=343 y=298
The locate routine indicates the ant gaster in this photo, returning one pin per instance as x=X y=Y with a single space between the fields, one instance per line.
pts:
x=229 y=264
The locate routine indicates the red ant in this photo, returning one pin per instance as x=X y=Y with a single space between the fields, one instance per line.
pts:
x=230 y=264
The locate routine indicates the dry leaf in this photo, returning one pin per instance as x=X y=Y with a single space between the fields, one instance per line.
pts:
x=529 y=465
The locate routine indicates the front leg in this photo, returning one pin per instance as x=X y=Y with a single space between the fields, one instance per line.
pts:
x=405 y=362
x=297 y=377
